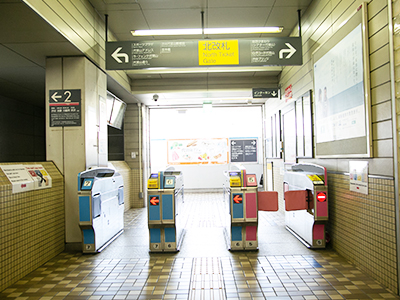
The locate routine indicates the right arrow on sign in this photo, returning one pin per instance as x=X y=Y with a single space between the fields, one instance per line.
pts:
x=290 y=51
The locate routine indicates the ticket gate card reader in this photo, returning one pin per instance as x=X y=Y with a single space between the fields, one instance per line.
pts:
x=241 y=228
x=101 y=207
x=165 y=197
x=306 y=203
x=244 y=199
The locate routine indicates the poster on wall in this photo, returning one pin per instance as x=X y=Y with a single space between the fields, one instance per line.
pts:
x=341 y=91
x=197 y=151
x=359 y=176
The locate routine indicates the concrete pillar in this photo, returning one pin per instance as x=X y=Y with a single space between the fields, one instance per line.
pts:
x=75 y=148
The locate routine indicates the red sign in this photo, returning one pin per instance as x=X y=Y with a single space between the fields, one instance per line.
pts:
x=289 y=92
x=154 y=201
x=321 y=196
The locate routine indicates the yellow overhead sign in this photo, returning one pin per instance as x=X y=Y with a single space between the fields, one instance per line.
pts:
x=218 y=52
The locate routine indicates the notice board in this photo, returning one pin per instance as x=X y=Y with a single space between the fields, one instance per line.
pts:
x=25 y=178
x=243 y=150
x=342 y=91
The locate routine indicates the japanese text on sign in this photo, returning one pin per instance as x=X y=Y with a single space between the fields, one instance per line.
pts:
x=218 y=52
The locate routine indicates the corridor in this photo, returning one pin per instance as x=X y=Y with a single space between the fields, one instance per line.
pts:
x=282 y=268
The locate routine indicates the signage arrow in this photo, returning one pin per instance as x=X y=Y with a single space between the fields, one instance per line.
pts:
x=237 y=199
x=154 y=201
x=291 y=51
x=55 y=97
x=116 y=55
x=274 y=94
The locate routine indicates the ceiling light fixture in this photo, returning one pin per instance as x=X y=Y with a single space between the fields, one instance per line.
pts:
x=199 y=31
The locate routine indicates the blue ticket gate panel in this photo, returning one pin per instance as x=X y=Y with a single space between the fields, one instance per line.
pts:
x=101 y=207
x=306 y=203
x=164 y=204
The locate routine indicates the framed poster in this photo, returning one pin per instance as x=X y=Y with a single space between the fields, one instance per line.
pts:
x=289 y=133
x=304 y=130
x=342 y=91
x=273 y=136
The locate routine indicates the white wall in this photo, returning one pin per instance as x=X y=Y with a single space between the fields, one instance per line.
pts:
x=195 y=123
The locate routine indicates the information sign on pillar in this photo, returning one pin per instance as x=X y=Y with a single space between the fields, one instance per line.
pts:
x=65 y=108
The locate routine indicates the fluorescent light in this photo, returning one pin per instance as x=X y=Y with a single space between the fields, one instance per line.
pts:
x=243 y=30
x=198 y=31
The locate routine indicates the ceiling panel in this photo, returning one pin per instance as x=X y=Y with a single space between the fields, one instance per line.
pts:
x=125 y=21
x=173 y=18
x=239 y=17
x=26 y=40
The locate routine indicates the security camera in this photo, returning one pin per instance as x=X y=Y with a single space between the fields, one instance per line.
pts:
x=155 y=97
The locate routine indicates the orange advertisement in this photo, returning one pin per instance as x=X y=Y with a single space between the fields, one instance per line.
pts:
x=198 y=151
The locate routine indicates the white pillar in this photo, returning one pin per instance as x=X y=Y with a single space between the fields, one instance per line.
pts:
x=75 y=148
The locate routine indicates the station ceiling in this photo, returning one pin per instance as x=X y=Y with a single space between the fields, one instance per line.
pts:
x=26 y=40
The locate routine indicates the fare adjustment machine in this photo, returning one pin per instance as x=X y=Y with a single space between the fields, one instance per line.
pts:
x=306 y=203
x=165 y=198
x=101 y=207
x=241 y=190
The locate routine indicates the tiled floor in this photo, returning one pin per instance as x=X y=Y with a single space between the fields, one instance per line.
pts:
x=282 y=268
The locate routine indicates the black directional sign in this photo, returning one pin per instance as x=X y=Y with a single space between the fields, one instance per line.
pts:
x=243 y=150
x=275 y=51
x=65 y=108
x=265 y=93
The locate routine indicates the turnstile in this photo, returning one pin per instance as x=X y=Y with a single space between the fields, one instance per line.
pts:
x=164 y=205
x=101 y=207
x=306 y=203
x=242 y=196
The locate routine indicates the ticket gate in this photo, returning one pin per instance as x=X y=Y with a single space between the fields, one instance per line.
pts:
x=243 y=199
x=306 y=203
x=164 y=210
x=101 y=208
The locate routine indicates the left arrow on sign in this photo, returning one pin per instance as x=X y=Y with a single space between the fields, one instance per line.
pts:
x=291 y=51
x=55 y=97
x=116 y=55
x=154 y=201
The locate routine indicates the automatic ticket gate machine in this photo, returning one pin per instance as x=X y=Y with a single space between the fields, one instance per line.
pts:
x=243 y=198
x=101 y=207
x=306 y=203
x=164 y=205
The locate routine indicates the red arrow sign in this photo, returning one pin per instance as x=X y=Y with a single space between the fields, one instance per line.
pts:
x=237 y=199
x=154 y=201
